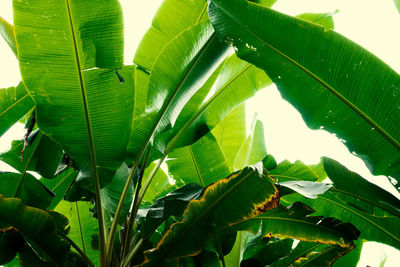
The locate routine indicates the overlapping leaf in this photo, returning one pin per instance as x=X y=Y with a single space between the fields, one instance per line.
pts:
x=333 y=82
x=85 y=109
x=7 y=32
x=229 y=201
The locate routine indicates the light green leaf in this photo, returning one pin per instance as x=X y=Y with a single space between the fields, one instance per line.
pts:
x=172 y=18
x=82 y=226
x=397 y=3
x=231 y=133
x=323 y=19
x=202 y=163
x=85 y=109
x=159 y=185
x=332 y=81
x=298 y=171
x=14 y=104
x=7 y=31
x=253 y=149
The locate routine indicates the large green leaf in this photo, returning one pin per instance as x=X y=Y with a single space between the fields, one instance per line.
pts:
x=228 y=201
x=159 y=184
x=202 y=163
x=82 y=226
x=111 y=194
x=14 y=104
x=30 y=190
x=81 y=102
x=172 y=18
x=235 y=256
x=7 y=31
x=332 y=81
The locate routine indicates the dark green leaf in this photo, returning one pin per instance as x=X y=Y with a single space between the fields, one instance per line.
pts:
x=229 y=201
x=11 y=242
x=342 y=79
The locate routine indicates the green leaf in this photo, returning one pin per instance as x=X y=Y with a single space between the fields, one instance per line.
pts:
x=14 y=104
x=373 y=227
x=37 y=225
x=235 y=256
x=159 y=184
x=228 y=201
x=172 y=18
x=80 y=101
x=306 y=188
x=172 y=204
x=298 y=171
x=110 y=195
x=295 y=222
x=11 y=242
x=342 y=79
x=173 y=81
x=397 y=3
x=352 y=258
x=323 y=19
x=30 y=190
x=82 y=226
x=325 y=257
x=202 y=163
x=253 y=149
x=231 y=133
x=41 y=155
x=7 y=31
x=59 y=185
x=261 y=252
x=356 y=190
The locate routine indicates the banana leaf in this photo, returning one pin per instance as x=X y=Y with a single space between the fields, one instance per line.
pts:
x=7 y=32
x=14 y=104
x=334 y=83
x=83 y=84
x=219 y=207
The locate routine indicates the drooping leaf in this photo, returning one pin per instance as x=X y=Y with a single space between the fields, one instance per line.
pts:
x=38 y=225
x=172 y=204
x=357 y=191
x=59 y=185
x=85 y=109
x=260 y=252
x=253 y=149
x=342 y=80
x=14 y=104
x=82 y=226
x=172 y=18
x=325 y=257
x=7 y=32
x=229 y=201
x=41 y=155
x=30 y=190
x=111 y=194
x=202 y=163
x=298 y=171
x=373 y=227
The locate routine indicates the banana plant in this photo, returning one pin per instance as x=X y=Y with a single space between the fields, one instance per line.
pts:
x=152 y=163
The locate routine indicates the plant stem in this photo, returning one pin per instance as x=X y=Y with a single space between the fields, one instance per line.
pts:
x=133 y=211
x=132 y=253
x=78 y=249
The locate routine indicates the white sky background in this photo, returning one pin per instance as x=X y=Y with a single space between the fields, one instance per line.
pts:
x=373 y=24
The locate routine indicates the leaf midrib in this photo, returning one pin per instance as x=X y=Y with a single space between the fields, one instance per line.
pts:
x=13 y=105
x=347 y=102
